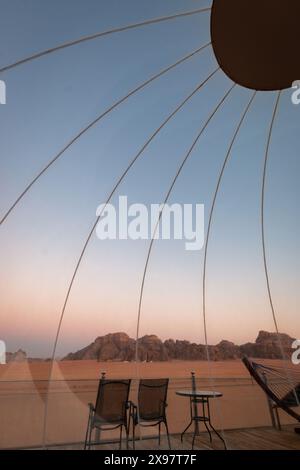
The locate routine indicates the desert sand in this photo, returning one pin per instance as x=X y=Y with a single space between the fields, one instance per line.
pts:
x=77 y=370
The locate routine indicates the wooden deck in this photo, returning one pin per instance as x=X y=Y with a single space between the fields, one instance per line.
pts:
x=241 y=439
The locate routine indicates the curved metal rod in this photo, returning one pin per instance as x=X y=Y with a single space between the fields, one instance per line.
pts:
x=121 y=178
x=95 y=121
x=263 y=211
x=168 y=194
x=218 y=185
x=161 y=211
x=211 y=217
x=266 y=270
x=101 y=34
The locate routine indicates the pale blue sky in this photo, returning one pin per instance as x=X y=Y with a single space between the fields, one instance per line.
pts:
x=51 y=99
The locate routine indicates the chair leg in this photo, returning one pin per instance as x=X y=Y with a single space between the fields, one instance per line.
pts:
x=88 y=431
x=86 y=434
x=168 y=435
x=128 y=426
x=133 y=434
x=159 y=428
x=127 y=436
x=278 y=419
x=120 y=443
x=90 y=437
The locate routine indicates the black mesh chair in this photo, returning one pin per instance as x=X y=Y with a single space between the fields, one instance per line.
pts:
x=151 y=408
x=111 y=410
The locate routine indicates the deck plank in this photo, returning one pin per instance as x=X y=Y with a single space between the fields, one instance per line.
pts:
x=237 y=439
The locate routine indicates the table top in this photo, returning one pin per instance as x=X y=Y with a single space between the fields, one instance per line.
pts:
x=199 y=393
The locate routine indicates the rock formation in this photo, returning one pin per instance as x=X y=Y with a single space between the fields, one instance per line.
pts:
x=18 y=356
x=120 y=347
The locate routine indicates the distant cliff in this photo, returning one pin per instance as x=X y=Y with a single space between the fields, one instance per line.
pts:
x=120 y=347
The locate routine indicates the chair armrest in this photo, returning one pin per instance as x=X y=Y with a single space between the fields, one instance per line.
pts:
x=163 y=404
x=133 y=410
x=132 y=404
x=91 y=407
x=128 y=404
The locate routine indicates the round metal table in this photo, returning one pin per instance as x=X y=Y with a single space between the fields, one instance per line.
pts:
x=200 y=397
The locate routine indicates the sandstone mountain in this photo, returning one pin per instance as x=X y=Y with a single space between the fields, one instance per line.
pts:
x=120 y=347
x=268 y=346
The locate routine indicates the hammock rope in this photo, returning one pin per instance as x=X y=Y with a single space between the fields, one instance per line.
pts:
x=276 y=380
x=273 y=381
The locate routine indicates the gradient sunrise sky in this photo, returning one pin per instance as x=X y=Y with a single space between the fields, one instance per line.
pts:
x=51 y=99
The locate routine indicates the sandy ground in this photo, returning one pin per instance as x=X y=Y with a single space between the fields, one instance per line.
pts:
x=23 y=391
x=77 y=370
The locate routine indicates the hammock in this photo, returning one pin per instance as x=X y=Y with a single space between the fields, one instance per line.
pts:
x=281 y=385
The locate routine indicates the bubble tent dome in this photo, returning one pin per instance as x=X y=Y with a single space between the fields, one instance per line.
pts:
x=255 y=74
